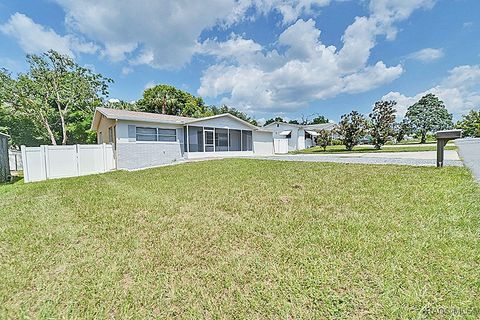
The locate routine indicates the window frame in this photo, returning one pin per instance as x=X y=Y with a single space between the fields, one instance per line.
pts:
x=157 y=135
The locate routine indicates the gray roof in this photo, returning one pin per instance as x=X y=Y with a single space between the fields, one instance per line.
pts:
x=321 y=126
x=141 y=116
x=117 y=114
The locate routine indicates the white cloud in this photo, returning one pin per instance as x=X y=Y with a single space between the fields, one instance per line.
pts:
x=127 y=70
x=166 y=32
x=460 y=91
x=235 y=47
x=307 y=70
x=427 y=55
x=34 y=38
x=371 y=77
x=150 y=84
x=360 y=37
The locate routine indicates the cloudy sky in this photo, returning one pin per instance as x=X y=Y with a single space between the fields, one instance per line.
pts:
x=265 y=57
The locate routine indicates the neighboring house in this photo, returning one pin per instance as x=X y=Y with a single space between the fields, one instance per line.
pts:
x=299 y=136
x=4 y=163
x=143 y=139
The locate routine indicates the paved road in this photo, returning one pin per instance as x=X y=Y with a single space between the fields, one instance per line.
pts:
x=424 y=158
x=469 y=150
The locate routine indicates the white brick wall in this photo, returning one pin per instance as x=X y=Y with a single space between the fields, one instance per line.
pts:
x=137 y=155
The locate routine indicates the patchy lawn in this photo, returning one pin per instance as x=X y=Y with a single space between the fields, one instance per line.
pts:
x=244 y=239
x=369 y=149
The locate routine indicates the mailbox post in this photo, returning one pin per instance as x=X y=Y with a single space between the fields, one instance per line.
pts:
x=442 y=138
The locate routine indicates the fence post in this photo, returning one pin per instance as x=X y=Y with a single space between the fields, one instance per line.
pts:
x=77 y=160
x=44 y=163
x=23 y=149
x=104 y=158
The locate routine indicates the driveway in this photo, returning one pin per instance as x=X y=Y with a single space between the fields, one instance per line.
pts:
x=469 y=150
x=422 y=158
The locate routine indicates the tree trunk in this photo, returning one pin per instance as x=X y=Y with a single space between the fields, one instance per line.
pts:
x=424 y=137
x=64 y=129
x=49 y=130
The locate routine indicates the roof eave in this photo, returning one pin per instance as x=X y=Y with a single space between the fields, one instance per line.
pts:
x=224 y=115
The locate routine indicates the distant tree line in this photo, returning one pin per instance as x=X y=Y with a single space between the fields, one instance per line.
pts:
x=304 y=121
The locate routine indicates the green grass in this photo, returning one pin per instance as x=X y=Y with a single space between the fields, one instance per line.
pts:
x=243 y=239
x=369 y=149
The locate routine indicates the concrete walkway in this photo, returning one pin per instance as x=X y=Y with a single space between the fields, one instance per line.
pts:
x=469 y=150
x=422 y=158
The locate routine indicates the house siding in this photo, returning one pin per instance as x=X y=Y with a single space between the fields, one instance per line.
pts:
x=293 y=141
x=137 y=155
x=262 y=143
x=133 y=154
x=221 y=122
x=103 y=129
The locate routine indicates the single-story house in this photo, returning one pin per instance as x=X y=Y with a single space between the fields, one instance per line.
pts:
x=299 y=136
x=143 y=139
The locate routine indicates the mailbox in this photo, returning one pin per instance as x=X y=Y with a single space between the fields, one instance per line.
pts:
x=442 y=138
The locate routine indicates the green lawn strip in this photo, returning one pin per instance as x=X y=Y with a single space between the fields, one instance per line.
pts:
x=369 y=149
x=242 y=238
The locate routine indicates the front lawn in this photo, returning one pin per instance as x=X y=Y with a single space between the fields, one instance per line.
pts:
x=369 y=149
x=243 y=239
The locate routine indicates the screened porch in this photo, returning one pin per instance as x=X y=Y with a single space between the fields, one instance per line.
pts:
x=210 y=139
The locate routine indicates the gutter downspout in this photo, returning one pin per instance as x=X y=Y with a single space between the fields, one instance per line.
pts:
x=115 y=144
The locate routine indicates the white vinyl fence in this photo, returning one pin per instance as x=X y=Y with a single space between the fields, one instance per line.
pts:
x=280 y=146
x=15 y=159
x=51 y=162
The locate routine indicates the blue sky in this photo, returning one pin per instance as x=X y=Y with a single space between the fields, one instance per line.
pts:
x=265 y=57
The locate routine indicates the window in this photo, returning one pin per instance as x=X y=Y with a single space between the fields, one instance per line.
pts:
x=155 y=134
x=110 y=134
x=221 y=139
x=247 y=143
x=167 y=135
x=235 y=140
x=288 y=136
x=146 y=134
x=100 y=137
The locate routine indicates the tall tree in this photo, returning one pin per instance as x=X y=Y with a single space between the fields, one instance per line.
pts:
x=351 y=128
x=55 y=91
x=427 y=115
x=319 y=120
x=324 y=139
x=470 y=124
x=167 y=99
x=276 y=119
x=401 y=129
x=293 y=122
x=382 y=119
x=237 y=113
